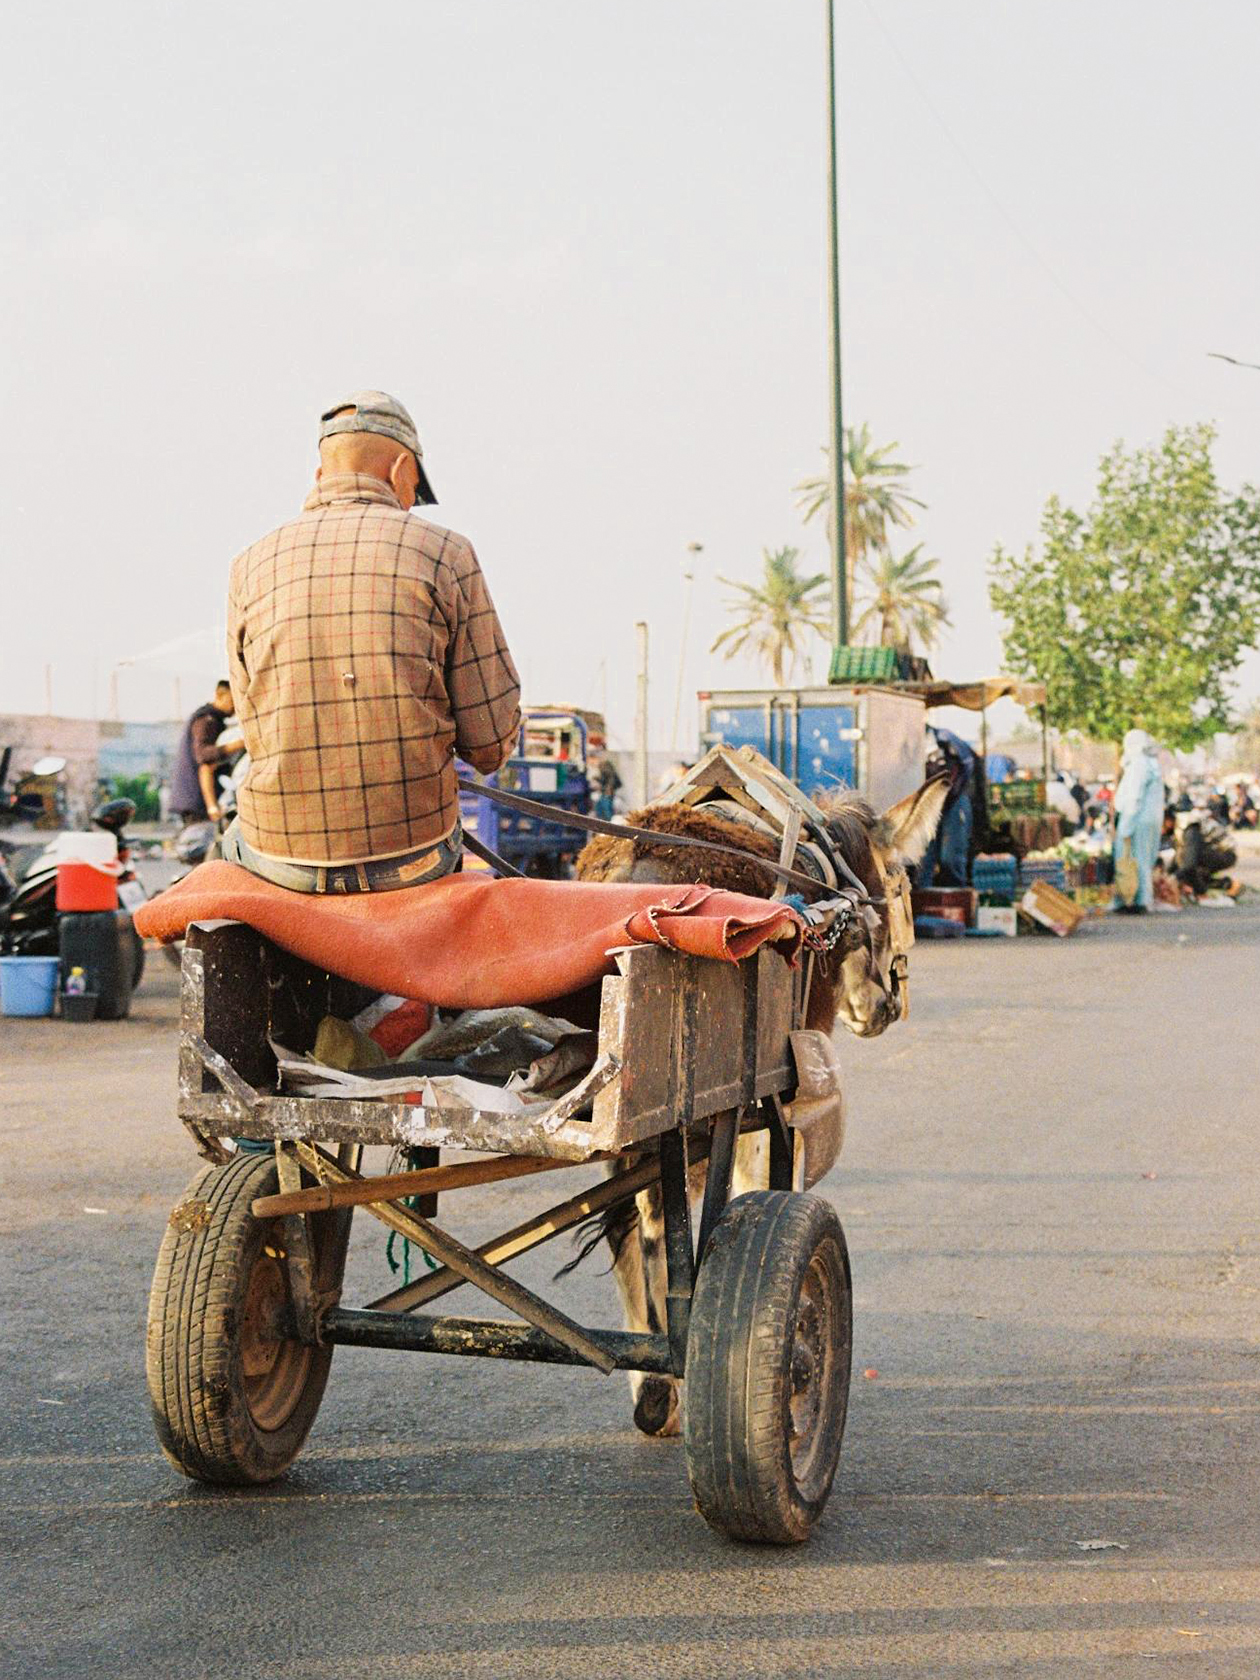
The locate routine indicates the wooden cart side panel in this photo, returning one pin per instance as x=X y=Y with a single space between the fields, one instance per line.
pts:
x=638 y=1024
x=238 y=989
x=776 y=994
x=225 y=998
x=338 y=1120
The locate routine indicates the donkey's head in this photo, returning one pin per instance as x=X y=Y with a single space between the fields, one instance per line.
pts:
x=862 y=983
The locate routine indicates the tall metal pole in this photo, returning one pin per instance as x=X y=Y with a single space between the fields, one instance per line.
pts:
x=839 y=565
x=689 y=579
x=641 y=719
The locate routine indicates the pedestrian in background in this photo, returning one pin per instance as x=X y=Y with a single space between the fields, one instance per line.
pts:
x=948 y=855
x=193 y=793
x=608 y=782
x=1139 y=806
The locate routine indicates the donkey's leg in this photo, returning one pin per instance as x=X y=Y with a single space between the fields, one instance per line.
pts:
x=656 y=1402
x=635 y=1232
x=752 y=1163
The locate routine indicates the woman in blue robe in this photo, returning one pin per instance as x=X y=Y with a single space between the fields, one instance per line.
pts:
x=1140 y=810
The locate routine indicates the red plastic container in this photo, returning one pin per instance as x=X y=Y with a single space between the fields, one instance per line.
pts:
x=87 y=886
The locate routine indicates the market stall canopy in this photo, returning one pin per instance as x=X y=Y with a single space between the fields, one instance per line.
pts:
x=976 y=696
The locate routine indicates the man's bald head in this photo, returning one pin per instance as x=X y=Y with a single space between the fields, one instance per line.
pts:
x=373 y=455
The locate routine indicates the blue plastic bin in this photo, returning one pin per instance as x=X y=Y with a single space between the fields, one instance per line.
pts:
x=28 y=985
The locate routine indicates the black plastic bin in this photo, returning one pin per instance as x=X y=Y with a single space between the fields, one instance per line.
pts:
x=102 y=944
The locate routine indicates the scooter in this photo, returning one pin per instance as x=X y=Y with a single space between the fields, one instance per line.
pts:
x=28 y=886
x=25 y=803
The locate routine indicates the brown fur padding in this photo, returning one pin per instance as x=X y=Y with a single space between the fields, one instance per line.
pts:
x=849 y=820
x=606 y=859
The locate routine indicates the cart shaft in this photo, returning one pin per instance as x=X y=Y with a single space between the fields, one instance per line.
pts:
x=488 y=1339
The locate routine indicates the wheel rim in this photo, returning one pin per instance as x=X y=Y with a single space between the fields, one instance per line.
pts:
x=274 y=1367
x=811 y=1397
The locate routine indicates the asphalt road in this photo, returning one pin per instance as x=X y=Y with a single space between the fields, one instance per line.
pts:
x=1049 y=1187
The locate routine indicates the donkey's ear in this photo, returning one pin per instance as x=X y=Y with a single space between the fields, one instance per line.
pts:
x=905 y=828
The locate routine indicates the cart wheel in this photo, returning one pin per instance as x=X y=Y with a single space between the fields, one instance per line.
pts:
x=233 y=1399
x=768 y=1358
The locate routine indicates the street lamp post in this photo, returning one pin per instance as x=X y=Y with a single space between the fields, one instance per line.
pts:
x=839 y=566
x=689 y=580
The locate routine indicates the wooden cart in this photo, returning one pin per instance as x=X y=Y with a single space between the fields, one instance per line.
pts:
x=246 y=1304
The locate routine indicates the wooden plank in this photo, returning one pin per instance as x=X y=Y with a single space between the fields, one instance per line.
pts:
x=232 y=1003
x=401 y=1124
x=776 y=1070
x=356 y=1191
x=297 y=1242
x=521 y=1238
x=787 y=851
x=638 y=1021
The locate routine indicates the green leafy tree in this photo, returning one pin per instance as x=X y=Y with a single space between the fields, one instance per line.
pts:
x=141 y=791
x=900 y=598
x=1136 y=612
x=775 y=617
x=875 y=496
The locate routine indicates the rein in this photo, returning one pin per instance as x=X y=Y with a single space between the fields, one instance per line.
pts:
x=626 y=831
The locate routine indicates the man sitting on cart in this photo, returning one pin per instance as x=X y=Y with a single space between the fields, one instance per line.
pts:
x=365 y=653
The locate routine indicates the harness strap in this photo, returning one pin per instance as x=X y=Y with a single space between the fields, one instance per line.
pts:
x=624 y=831
x=487 y=855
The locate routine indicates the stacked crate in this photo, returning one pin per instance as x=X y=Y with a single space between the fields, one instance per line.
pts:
x=1053 y=871
x=995 y=876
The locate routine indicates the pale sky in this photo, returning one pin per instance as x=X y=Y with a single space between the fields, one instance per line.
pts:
x=584 y=241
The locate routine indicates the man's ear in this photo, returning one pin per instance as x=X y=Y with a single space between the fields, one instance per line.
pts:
x=319 y=473
x=905 y=828
x=396 y=469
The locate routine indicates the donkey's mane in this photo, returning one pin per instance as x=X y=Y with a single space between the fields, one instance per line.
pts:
x=851 y=818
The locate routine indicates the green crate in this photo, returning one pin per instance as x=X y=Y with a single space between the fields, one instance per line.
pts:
x=865 y=664
x=1017 y=798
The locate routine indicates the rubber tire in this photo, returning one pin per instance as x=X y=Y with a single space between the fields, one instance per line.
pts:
x=137 y=962
x=739 y=1358
x=193 y=1355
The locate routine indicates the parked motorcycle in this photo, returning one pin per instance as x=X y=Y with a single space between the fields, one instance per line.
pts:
x=37 y=796
x=29 y=923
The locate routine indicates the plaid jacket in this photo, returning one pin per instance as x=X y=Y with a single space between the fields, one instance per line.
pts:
x=365 y=652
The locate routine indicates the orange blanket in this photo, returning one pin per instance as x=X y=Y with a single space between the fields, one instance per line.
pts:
x=470 y=942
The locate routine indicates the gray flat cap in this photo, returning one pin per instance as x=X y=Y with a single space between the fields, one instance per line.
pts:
x=377 y=411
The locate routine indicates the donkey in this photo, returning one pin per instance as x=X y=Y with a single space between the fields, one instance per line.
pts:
x=858 y=984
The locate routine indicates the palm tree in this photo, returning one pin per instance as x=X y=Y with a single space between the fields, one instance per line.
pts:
x=776 y=614
x=901 y=594
x=875 y=496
